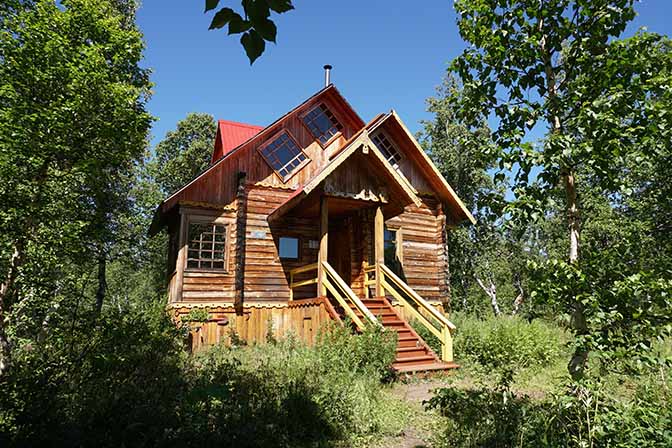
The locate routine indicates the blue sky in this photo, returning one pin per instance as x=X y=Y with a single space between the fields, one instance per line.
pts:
x=386 y=54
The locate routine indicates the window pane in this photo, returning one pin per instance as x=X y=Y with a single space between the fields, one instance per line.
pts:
x=206 y=248
x=386 y=148
x=283 y=155
x=288 y=247
x=322 y=123
x=390 y=247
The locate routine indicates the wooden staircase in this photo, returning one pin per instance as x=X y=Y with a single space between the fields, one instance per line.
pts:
x=413 y=353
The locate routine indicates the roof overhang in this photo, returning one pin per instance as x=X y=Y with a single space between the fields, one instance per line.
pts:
x=439 y=184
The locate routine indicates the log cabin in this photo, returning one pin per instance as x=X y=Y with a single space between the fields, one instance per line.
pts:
x=317 y=217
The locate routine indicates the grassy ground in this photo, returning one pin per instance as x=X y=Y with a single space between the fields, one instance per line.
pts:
x=542 y=380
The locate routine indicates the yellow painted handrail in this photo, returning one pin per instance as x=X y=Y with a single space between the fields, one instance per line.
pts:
x=344 y=304
x=300 y=270
x=331 y=274
x=306 y=268
x=419 y=300
x=443 y=332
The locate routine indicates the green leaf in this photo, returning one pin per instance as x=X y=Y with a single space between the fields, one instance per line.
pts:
x=210 y=5
x=256 y=10
x=266 y=29
x=254 y=45
x=238 y=25
x=281 y=6
x=223 y=16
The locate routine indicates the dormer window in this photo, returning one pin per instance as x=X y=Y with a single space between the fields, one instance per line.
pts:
x=322 y=124
x=284 y=155
x=386 y=148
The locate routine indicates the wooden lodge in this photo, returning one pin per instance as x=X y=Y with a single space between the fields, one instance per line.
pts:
x=316 y=217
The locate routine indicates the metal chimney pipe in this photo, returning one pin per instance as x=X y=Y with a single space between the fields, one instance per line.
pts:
x=327 y=75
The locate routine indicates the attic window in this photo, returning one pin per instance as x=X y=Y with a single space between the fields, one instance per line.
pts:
x=322 y=124
x=387 y=149
x=284 y=155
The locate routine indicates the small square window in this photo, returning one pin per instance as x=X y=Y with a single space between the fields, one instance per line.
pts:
x=322 y=124
x=288 y=248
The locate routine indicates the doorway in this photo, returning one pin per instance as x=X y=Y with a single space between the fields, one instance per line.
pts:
x=338 y=251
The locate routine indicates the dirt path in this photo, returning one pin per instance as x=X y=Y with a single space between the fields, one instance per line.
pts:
x=422 y=423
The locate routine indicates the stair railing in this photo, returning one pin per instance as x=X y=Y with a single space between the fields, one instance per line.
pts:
x=343 y=294
x=413 y=303
x=294 y=272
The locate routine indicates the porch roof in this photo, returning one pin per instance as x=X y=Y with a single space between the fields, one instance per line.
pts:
x=403 y=192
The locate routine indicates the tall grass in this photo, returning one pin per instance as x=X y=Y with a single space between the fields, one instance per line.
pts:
x=288 y=394
x=498 y=342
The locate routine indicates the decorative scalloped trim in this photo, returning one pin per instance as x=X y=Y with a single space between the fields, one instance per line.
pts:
x=190 y=305
x=226 y=208
x=274 y=187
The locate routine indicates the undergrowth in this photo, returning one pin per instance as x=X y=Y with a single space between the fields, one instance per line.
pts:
x=289 y=394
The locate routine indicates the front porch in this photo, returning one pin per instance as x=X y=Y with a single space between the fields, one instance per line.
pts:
x=351 y=273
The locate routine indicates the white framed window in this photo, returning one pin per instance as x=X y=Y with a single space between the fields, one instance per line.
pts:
x=207 y=246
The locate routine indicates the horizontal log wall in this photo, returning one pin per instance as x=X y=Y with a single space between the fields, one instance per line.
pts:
x=424 y=253
x=196 y=286
x=266 y=275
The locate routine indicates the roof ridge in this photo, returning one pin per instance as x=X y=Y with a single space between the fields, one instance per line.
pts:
x=237 y=123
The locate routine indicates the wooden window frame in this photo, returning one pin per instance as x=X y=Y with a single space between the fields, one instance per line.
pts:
x=298 y=168
x=385 y=135
x=333 y=137
x=398 y=242
x=299 y=242
x=213 y=220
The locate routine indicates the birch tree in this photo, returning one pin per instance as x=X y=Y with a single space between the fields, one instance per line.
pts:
x=558 y=65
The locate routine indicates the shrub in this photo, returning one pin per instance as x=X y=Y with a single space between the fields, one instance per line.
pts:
x=429 y=337
x=288 y=394
x=586 y=414
x=507 y=341
x=116 y=381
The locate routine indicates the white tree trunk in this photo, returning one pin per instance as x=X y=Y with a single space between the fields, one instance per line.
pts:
x=491 y=291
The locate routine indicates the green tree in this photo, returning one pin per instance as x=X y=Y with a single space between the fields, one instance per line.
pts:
x=184 y=152
x=487 y=253
x=603 y=102
x=72 y=123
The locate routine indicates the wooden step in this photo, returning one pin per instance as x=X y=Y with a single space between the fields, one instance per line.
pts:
x=412 y=355
x=419 y=359
x=408 y=341
x=411 y=352
x=429 y=367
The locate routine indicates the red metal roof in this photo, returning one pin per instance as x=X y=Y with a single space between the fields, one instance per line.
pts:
x=231 y=134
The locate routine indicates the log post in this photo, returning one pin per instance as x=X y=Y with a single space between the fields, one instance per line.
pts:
x=379 y=248
x=324 y=244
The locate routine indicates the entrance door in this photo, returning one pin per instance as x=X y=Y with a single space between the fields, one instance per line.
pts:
x=338 y=252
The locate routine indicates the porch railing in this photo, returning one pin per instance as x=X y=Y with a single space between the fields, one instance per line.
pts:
x=414 y=304
x=340 y=290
